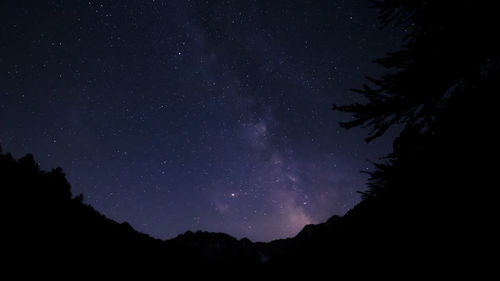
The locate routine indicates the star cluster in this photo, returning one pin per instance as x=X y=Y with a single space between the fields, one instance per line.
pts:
x=210 y=115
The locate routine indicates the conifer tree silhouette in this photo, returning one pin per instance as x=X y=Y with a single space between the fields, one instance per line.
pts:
x=431 y=193
x=450 y=46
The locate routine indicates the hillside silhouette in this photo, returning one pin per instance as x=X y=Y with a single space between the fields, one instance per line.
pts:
x=429 y=204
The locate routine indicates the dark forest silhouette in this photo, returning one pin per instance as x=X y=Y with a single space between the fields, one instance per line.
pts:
x=428 y=204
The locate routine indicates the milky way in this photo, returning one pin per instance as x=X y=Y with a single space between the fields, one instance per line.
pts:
x=194 y=115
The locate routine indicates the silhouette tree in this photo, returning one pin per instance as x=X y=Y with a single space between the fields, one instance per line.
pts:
x=449 y=46
x=431 y=194
x=440 y=85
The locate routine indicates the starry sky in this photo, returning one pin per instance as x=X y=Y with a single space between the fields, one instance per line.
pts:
x=194 y=115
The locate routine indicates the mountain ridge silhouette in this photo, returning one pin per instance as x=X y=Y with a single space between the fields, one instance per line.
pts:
x=50 y=219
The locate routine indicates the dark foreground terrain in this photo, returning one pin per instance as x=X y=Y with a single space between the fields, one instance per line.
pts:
x=44 y=225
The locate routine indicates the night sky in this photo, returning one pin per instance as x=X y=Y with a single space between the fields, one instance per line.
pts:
x=194 y=115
